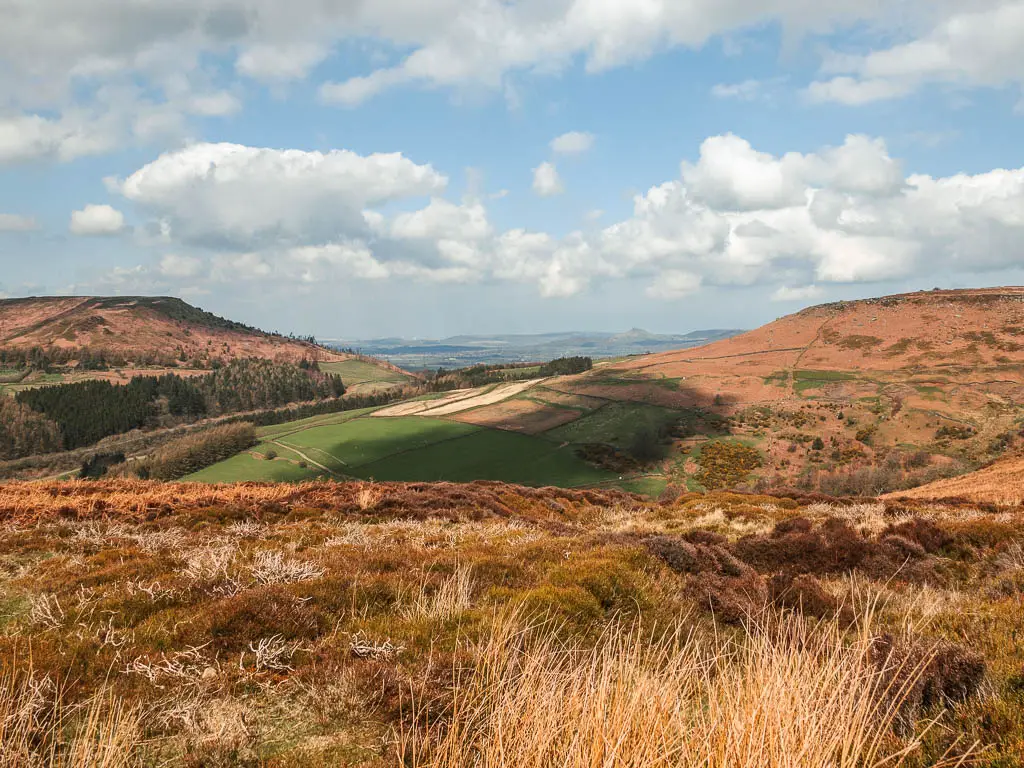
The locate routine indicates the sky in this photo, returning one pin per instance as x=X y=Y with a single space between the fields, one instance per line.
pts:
x=425 y=168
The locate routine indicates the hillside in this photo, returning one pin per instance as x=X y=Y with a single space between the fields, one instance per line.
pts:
x=141 y=329
x=999 y=483
x=932 y=379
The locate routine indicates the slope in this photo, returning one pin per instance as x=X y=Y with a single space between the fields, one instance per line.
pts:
x=1000 y=483
x=140 y=328
x=894 y=390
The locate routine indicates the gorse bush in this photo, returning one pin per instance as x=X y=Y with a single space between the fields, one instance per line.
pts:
x=725 y=464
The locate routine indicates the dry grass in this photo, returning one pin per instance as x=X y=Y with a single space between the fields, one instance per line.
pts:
x=789 y=696
x=288 y=626
x=451 y=598
x=1001 y=483
x=38 y=731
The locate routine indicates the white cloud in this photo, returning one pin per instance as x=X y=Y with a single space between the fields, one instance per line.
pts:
x=12 y=222
x=229 y=195
x=737 y=216
x=546 y=181
x=62 y=59
x=218 y=104
x=977 y=44
x=54 y=51
x=30 y=137
x=748 y=90
x=573 y=143
x=804 y=293
x=674 y=284
x=280 y=62
x=855 y=93
x=174 y=265
x=97 y=220
x=442 y=220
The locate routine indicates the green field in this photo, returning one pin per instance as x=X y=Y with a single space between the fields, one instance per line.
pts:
x=363 y=376
x=408 y=448
x=804 y=380
x=344 y=447
x=489 y=455
x=280 y=430
x=615 y=423
x=243 y=467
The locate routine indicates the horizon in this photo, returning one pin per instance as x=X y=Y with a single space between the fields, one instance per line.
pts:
x=534 y=333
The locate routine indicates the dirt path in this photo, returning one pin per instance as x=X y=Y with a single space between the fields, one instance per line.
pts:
x=307 y=459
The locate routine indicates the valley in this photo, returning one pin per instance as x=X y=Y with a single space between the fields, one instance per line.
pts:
x=329 y=561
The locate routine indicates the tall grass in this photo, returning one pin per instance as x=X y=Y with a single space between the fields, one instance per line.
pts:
x=37 y=730
x=794 y=697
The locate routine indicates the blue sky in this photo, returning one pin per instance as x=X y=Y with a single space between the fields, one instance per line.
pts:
x=434 y=167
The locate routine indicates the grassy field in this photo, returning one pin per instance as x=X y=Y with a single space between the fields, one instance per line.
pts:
x=615 y=423
x=804 y=380
x=489 y=455
x=407 y=448
x=281 y=430
x=245 y=468
x=366 y=440
x=361 y=376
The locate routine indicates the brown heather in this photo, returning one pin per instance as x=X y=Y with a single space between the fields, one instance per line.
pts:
x=325 y=624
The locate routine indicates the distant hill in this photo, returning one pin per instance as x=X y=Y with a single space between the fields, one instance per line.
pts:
x=466 y=350
x=146 y=329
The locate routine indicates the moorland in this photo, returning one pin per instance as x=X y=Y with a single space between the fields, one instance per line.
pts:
x=802 y=546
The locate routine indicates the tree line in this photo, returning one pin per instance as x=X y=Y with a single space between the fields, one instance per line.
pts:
x=88 y=411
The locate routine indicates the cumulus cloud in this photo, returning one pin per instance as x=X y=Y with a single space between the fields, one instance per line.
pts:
x=97 y=220
x=735 y=216
x=573 y=143
x=58 y=54
x=11 y=222
x=62 y=59
x=280 y=62
x=748 y=90
x=233 y=196
x=546 y=181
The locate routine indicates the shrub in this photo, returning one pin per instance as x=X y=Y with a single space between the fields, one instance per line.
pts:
x=723 y=465
x=195 y=452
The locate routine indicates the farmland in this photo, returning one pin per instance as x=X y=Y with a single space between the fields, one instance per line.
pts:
x=361 y=445
x=363 y=376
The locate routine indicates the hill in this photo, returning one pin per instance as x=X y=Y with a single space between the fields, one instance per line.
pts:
x=462 y=351
x=142 y=329
x=998 y=483
x=933 y=380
